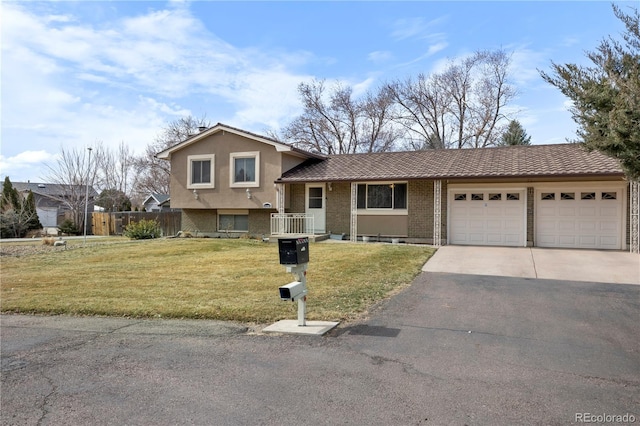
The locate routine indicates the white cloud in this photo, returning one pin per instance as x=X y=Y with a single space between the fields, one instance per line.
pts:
x=70 y=84
x=26 y=161
x=380 y=56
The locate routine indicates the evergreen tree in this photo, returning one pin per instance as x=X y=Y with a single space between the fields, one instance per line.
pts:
x=515 y=135
x=31 y=213
x=10 y=196
x=17 y=214
x=606 y=95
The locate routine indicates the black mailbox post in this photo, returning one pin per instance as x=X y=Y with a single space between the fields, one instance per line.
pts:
x=294 y=251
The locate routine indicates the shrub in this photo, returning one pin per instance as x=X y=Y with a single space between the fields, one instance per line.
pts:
x=142 y=230
x=69 y=228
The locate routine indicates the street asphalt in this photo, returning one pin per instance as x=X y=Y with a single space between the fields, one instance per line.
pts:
x=451 y=349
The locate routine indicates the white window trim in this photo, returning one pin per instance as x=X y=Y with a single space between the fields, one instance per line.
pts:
x=388 y=211
x=201 y=157
x=232 y=169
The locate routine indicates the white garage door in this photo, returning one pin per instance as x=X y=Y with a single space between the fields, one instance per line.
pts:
x=579 y=218
x=487 y=217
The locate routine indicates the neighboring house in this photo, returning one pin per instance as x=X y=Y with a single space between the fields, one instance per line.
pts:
x=156 y=203
x=51 y=200
x=540 y=195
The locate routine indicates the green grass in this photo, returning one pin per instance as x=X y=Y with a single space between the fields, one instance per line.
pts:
x=203 y=278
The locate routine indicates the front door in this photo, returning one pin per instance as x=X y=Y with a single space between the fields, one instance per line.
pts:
x=315 y=206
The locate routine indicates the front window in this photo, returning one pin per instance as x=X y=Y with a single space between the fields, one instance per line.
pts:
x=245 y=169
x=391 y=196
x=201 y=168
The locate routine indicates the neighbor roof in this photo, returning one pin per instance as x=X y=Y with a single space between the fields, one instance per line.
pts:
x=280 y=147
x=158 y=198
x=51 y=189
x=513 y=161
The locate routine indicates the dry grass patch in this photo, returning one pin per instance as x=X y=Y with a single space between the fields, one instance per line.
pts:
x=203 y=278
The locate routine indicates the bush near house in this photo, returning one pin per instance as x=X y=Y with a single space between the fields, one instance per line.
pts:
x=142 y=230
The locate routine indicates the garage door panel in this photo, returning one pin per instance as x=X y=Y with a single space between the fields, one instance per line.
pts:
x=587 y=240
x=588 y=212
x=590 y=226
x=566 y=226
x=609 y=226
x=512 y=225
x=494 y=238
x=609 y=211
x=567 y=240
x=593 y=220
x=494 y=225
x=513 y=212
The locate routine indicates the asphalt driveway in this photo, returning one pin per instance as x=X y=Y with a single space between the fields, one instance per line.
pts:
x=606 y=266
x=449 y=349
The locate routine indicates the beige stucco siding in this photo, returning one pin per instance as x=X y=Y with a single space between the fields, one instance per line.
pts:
x=224 y=196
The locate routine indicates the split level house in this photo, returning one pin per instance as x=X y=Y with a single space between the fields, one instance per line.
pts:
x=229 y=181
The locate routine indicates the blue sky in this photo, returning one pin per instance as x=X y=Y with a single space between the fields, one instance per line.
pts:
x=77 y=73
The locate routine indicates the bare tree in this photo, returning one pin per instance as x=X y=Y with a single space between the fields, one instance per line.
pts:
x=422 y=111
x=73 y=171
x=337 y=123
x=115 y=175
x=153 y=174
x=459 y=107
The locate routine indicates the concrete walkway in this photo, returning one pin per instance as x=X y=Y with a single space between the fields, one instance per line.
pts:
x=557 y=264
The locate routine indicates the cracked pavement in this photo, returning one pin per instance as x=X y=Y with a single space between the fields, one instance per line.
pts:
x=450 y=349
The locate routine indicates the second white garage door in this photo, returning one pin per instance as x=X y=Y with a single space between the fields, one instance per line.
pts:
x=487 y=217
x=579 y=217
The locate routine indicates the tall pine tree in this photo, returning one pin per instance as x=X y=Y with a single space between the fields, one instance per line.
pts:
x=515 y=135
x=606 y=95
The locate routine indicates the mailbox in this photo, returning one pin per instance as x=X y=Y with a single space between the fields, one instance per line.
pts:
x=293 y=251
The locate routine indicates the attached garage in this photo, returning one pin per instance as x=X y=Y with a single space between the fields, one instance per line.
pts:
x=487 y=216
x=584 y=216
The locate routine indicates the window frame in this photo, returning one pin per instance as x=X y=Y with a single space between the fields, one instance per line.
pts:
x=385 y=210
x=232 y=169
x=201 y=157
x=233 y=213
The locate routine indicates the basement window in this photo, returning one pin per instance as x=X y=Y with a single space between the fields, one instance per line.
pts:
x=233 y=222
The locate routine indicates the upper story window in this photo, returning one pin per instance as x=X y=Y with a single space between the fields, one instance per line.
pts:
x=245 y=169
x=391 y=196
x=200 y=170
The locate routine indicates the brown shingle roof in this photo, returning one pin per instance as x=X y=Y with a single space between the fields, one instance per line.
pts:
x=513 y=161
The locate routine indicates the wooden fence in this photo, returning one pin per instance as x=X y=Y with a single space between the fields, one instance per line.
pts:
x=114 y=223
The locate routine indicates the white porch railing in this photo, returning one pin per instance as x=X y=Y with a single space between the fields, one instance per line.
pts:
x=292 y=223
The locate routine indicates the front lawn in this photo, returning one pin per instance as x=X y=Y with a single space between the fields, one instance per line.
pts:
x=202 y=278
